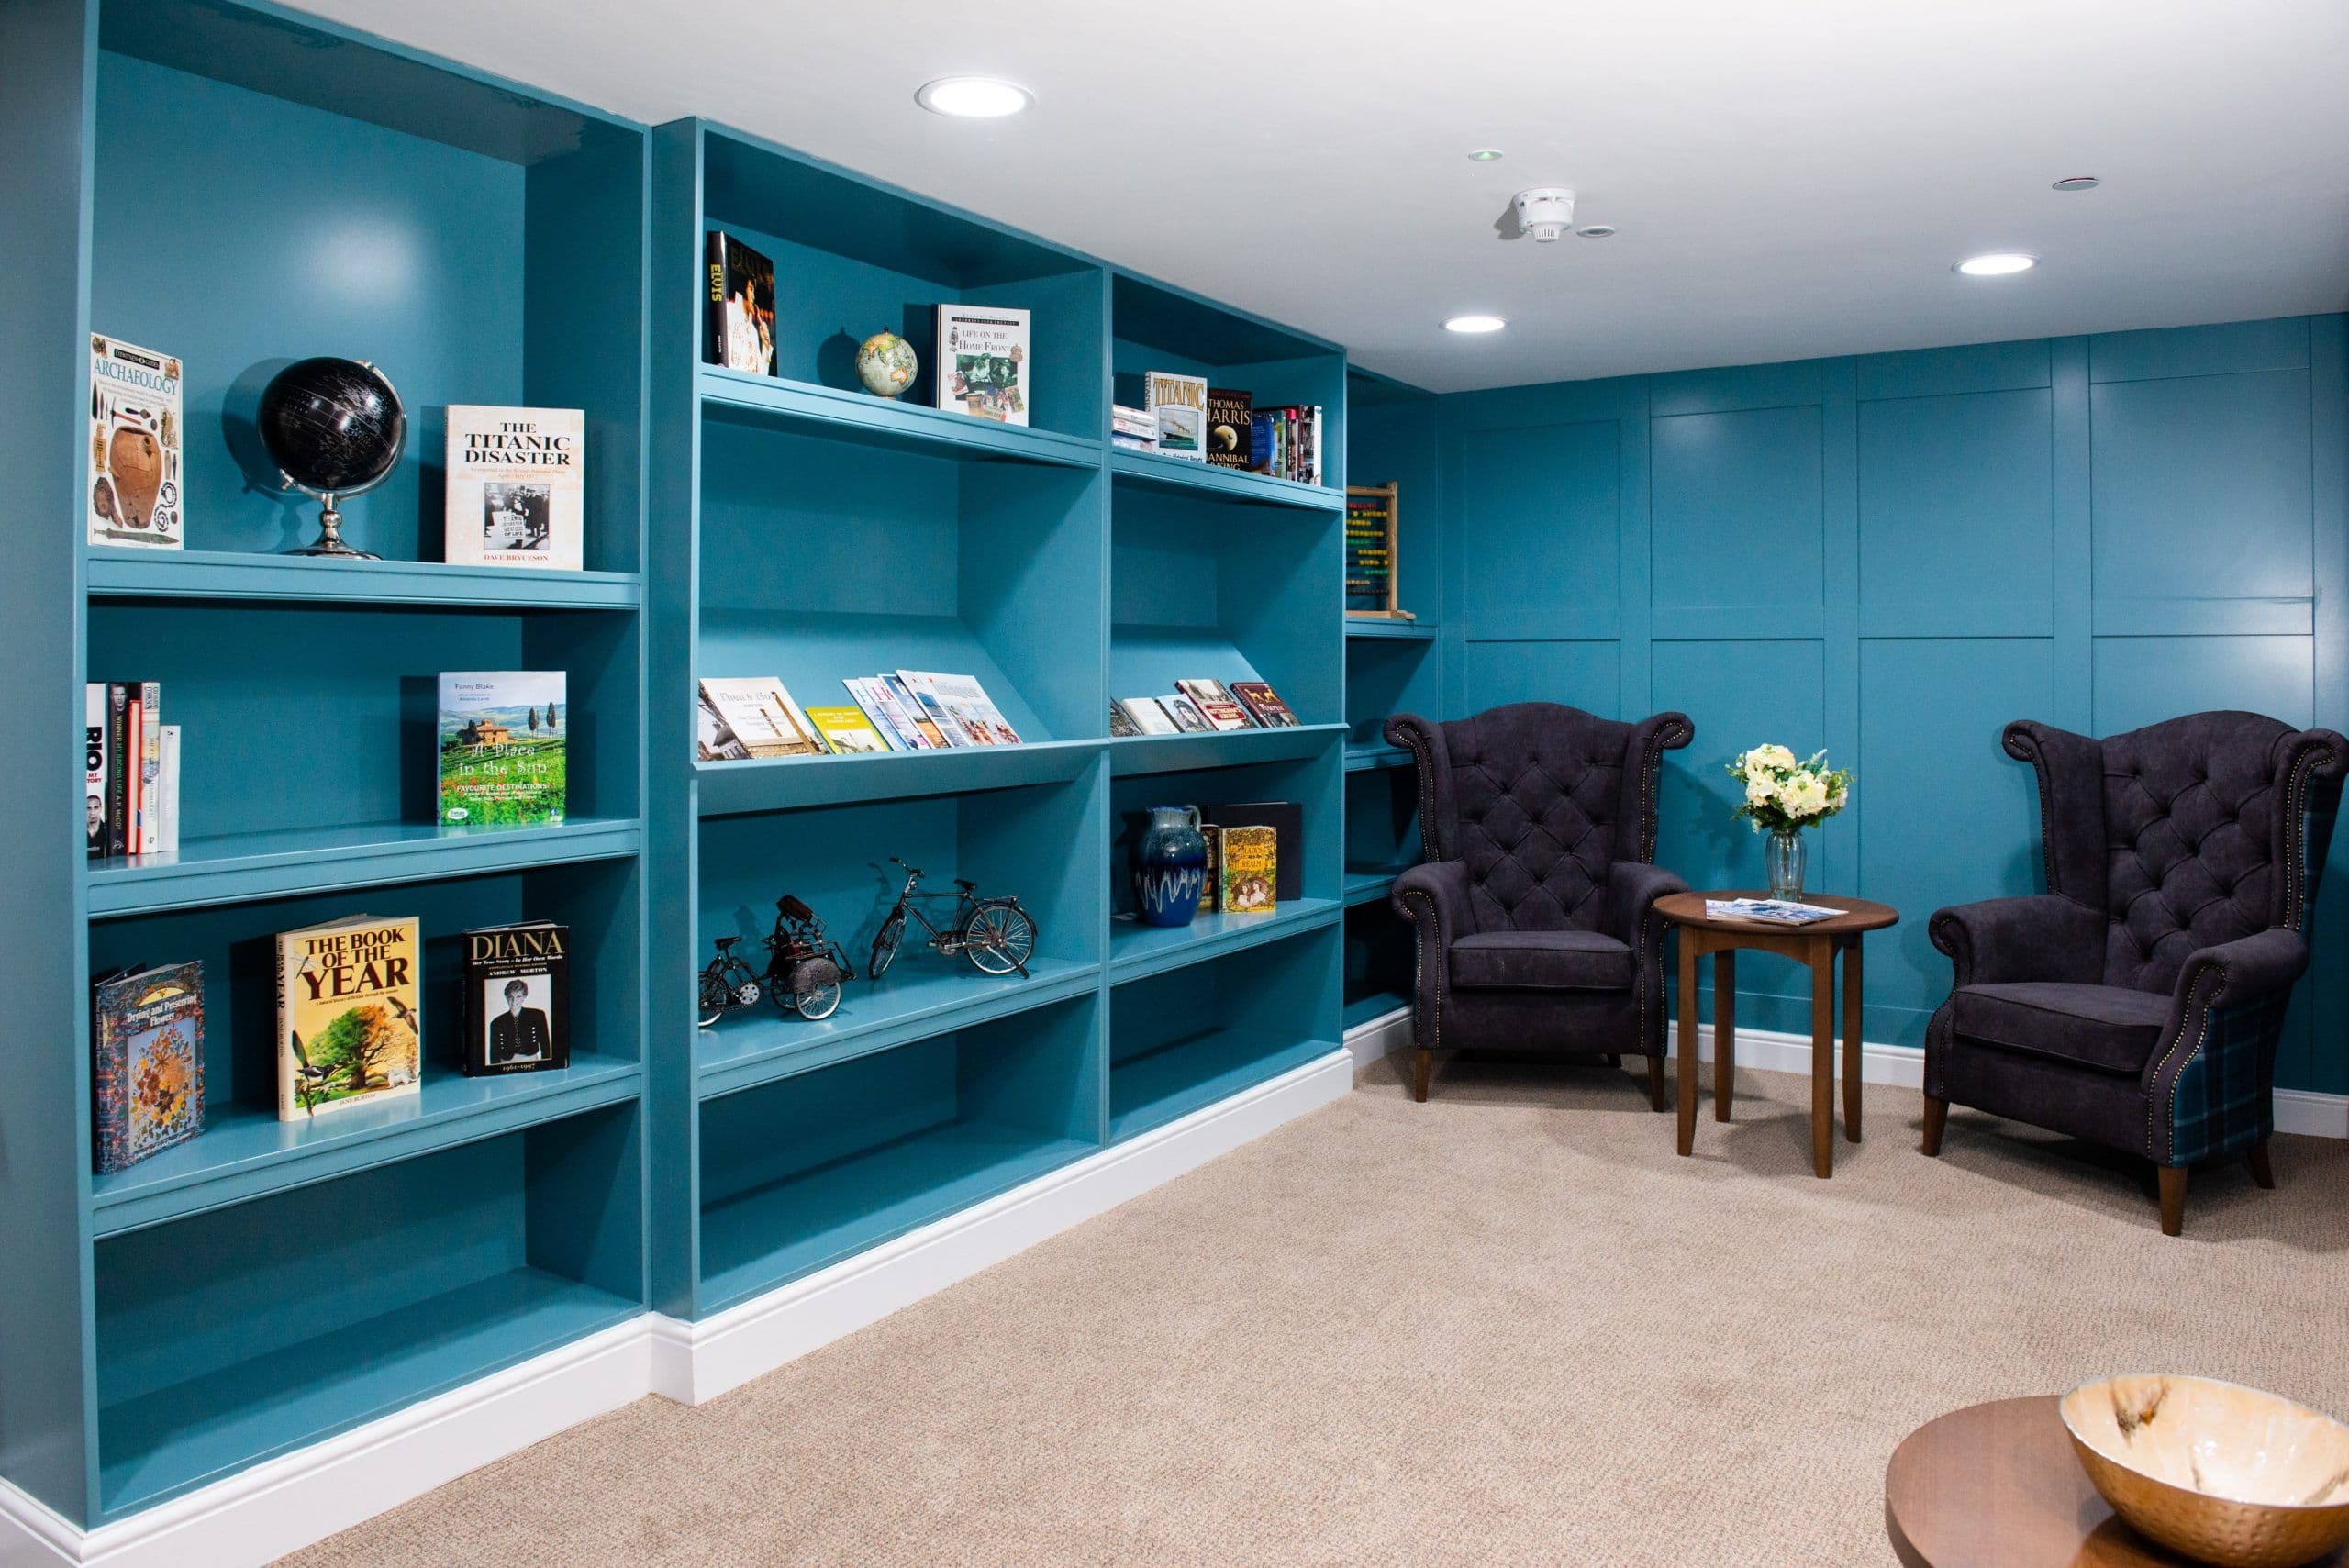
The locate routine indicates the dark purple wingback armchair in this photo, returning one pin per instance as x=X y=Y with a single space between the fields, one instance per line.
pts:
x=1533 y=908
x=2137 y=1003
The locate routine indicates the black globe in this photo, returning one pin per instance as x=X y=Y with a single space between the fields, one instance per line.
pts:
x=332 y=426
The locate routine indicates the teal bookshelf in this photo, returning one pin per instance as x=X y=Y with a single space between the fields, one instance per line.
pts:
x=329 y=192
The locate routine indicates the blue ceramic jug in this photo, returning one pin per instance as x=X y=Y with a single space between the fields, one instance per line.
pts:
x=1170 y=867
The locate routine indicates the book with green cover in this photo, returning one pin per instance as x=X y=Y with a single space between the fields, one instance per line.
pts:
x=503 y=747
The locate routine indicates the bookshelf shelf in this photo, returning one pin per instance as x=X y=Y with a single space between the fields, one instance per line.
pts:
x=895 y=425
x=778 y=783
x=1373 y=1005
x=245 y=1151
x=1369 y=885
x=1136 y=950
x=1369 y=631
x=278 y=862
x=122 y=574
x=1362 y=758
x=1188 y=1038
x=1134 y=755
x=1183 y=477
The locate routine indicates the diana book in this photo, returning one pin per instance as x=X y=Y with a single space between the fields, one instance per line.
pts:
x=517 y=486
x=518 y=998
x=983 y=361
x=146 y=1078
x=350 y=1016
x=503 y=747
x=136 y=479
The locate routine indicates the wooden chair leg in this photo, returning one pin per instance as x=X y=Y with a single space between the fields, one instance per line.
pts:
x=2261 y=1172
x=1419 y=1075
x=1656 y=1083
x=2173 y=1179
x=1936 y=1119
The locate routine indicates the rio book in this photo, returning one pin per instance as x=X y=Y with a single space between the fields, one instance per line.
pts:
x=136 y=479
x=503 y=747
x=349 y=1015
x=518 y=998
x=146 y=1078
x=517 y=486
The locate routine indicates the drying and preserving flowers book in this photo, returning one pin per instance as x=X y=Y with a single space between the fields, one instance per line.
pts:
x=349 y=1015
x=147 y=1076
x=517 y=487
x=503 y=747
x=134 y=493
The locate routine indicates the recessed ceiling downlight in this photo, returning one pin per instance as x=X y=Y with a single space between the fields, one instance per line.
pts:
x=1595 y=231
x=1474 y=323
x=1484 y=155
x=974 y=97
x=2078 y=183
x=1997 y=265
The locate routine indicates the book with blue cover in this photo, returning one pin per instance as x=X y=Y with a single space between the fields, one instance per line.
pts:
x=147 y=1074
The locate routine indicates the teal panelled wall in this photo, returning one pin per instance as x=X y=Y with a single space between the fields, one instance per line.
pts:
x=1891 y=557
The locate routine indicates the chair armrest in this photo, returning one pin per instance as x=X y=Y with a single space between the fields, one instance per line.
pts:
x=2210 y=1083
x=2241 y=971
x=1433 y=895
x=2008 y=941
x=1633 y=888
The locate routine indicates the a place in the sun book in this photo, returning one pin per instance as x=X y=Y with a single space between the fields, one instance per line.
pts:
x=349 y=1015
x=503 y=747
x=147 y=1074
x=136 y=481
x=517 y=486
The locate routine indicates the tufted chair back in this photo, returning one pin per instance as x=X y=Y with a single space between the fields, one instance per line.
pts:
x=2187 y=833
x=1538 y=800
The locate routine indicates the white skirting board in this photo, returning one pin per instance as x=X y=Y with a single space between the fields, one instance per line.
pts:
x=289 y=1502
x=2300 y=1111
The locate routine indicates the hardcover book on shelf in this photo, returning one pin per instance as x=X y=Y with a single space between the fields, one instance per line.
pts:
x=1216 y=705
x=961 y=702
x=1248 y=871
x=518 y=998
x=714 y=740
x=982 y=361
x=1286 y=819
x=517 y=489
x=167 y=791
x=847 y=731
x=927 y=720
x=1178 y=407
x=1134 y=429
x=741 y=307
x=1148 y=717
x=760 y=716
x=1212 y=895
x=97 y=724
x=503 y=747
x=1264 y=705
x=349 y=1015
x=147 y=746
x=136 y=479
x=119 y=840
x=1184 y=713
x=1121 y=725
x=146 y=1072
x=1232 y=429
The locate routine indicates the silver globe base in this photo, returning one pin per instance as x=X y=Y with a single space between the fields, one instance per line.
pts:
x=329 y=540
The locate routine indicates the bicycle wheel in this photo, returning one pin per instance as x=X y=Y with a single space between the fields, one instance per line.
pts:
x=999 y=937
x=885 y=944
x=713 y=999
x=820 y=1003
x=746 y=993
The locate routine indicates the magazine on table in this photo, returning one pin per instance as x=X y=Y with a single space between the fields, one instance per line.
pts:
x=1768 y=911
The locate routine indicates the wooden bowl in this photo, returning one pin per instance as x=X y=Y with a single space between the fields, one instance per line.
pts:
x=2223 y=1474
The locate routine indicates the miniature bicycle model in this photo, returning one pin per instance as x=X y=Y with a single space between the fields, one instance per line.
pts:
x=727 y=982
x=804 y=966
x=996 y=934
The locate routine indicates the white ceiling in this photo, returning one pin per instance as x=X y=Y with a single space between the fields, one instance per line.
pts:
x=1791 y=177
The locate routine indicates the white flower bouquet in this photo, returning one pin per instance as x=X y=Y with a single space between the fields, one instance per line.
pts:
x=1785 y=793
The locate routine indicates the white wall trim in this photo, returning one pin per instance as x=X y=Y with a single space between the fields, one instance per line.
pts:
x=2312 y=1115
x=290 y=1502
x=1381 y=1035
x=693 y=1362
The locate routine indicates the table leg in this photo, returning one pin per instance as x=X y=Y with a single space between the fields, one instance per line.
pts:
x=1688 y=1052
x=1853 y=1029
x=1724 y=1031
x=1822 y=1056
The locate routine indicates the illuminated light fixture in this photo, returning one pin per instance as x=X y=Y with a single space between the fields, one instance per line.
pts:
x=1484 y=155
x=1475 y=323
x=1997 y=265
x=974 y=97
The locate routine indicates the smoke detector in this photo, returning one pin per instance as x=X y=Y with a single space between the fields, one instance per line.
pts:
x=1545 y=212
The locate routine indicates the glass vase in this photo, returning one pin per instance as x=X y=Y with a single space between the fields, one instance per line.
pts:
x=1786 y=855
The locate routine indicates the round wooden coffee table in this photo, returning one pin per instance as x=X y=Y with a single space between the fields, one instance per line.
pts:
x=1815 y=945
x=1997 y=1485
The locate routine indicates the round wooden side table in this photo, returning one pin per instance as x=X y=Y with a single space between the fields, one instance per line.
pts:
x=1815 y=945
x=1997 y=1485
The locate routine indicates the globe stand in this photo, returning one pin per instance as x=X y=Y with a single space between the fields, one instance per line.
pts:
x=329 y=539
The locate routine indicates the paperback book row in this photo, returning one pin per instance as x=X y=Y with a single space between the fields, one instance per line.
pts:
x=1182 y=416
x=350 y=1026
x=981 y=363
x=906 y=710
x=1198 y=706
x=130 y=768
x=516 y=478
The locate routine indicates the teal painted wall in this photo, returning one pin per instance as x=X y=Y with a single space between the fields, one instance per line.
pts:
x=1891 y=557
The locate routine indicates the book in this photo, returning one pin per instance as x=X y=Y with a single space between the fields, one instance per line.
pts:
x=1148 y=717
x=714 y=740
x=1231 y=428
x=1768 y=911
x=167 y=790
x=1216 y=705
x=518 y=998
x=149 y=738
x=134 y=764
x=965 y=705
x=503 y=747
x=1121 y=725
x=932 y=727
x=349 y=1015
x=741 y=307
x=1184 y=713
x=760 y=716
x=1178 y=405
x=1286 y=819
x=846 y=730
x=147 y=1070
x=97 y=722
x=515 y=487
x=1136 y=422
x=1248 y=871
x=983 y=361
x=1264 y=705
x=136 y=474
x=1211 y=894
x=118 y=839
x=880 y=705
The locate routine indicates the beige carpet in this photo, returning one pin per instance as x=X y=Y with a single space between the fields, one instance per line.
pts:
x=1505 y=1326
